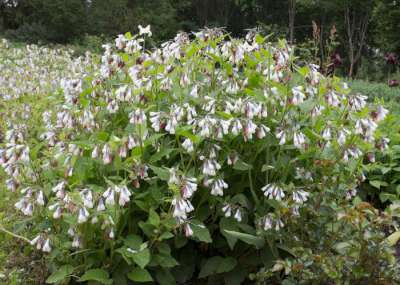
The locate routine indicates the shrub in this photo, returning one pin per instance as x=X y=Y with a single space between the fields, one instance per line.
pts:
x=210 y=159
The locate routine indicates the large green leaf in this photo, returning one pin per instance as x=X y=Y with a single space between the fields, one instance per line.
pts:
x=200 y=231
x=98 y=275
x=217 y=264
x=140 y=275
x=62 y=273
x=258 y=242
x=142 y=258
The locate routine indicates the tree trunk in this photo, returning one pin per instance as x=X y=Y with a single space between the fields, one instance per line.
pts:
x=292 y=14
x=356 y=30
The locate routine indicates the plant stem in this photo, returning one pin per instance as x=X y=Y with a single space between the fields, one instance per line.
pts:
x=256 y=200
x=14 y=235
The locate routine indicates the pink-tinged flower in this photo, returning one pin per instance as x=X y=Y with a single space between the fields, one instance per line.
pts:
x=298 y=95
x=380 y=114
x=188 y=187
x=124 y=195
x=107 y=155
x=393 y=83
x=137 y=117
x=391 y=58
x=187 y=230
x=181 y=208
x=336 y=60
x=299 y=139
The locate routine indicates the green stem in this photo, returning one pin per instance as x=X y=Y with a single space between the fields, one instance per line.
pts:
x=253 y=193
x=2 y=229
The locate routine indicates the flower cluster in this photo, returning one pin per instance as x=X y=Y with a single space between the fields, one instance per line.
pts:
x=212 y=121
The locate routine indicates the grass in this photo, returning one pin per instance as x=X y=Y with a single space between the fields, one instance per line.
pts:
x=19 y=264
x=376 y=90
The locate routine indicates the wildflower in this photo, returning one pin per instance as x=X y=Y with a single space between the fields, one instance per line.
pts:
x=210 y=166
x=40 y=198
x=137 y=117
x=380 y=114
x=217 y=187
x=109 y=196
x=300 y=196
x=227 y=210
x=298 y=139
x=342 y=134
x=100 y=206
x=281 y=135
x=145 y=31
x=232 y=159
x=87 y=198
x=358 y=102
x=238 y=215
x=124 y=195
x=298 y=95
x=83 y=215
x=76 y=242
x=188 y=230
x=181 y=208
x=95 y=152
x=173 y=177
x=107 y=156
x=188 y=187
x=155 y=119
x=46 y=247
x=188 y=145
x=326 y=134
x=272 y=191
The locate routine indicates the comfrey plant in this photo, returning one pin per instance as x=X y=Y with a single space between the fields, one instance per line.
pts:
x=207 y=158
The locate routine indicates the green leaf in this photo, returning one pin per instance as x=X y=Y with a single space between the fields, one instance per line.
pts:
x=98 y=275
x=62 y=273
x=162 y=173
x=160 y=154
x=164 y=277
x=200 y=231
x=133 y=241
x=166 y=235
x=258 y=242
x=217 y=264
x=375 y=183
x=142 y=258
x=230 y=225
x=241 y=165
x=140 y=275
x=393 y=238
x=378 y=184
x=154 y=219
x=387 y=197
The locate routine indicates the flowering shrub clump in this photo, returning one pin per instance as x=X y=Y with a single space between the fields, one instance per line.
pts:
x=208 y=158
